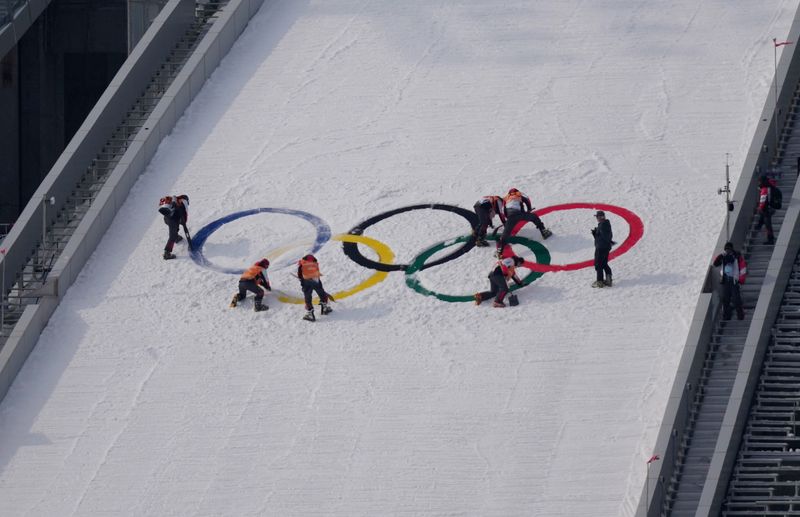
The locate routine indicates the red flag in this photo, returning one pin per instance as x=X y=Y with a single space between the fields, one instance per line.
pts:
x=653 y=458
x=782 y=43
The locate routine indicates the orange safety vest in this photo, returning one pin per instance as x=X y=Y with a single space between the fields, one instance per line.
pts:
x=252 y=272
x=513 y=201
x=507 y=267
x=309 y=269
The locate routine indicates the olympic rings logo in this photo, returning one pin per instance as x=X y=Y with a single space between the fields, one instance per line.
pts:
x=385 y=261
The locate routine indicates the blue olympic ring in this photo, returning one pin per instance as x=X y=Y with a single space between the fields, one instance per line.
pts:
x=199 y=239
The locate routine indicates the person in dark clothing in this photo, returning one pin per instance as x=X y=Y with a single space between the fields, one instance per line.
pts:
x=176 y=213
x=486 y=208
x=255 y=280
x=732 y=276
x=504 y=270
x=764 y=208
x=310 y=282
x=517 y=207
x=602 y=247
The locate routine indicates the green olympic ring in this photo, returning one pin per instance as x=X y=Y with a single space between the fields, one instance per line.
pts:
x=541 y=253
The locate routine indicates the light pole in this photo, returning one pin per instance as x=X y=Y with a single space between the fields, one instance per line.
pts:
x=728 y=203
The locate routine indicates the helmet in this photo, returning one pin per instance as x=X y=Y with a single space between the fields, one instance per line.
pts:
x=263 y=263
x=310 y=257
x=513 y=191
x=728 y=246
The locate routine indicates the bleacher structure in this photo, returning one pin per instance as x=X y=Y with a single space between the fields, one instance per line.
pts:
x=766 y=476
x=700 y=472
x=57 y=231
x=722 y=357
x=58 y=227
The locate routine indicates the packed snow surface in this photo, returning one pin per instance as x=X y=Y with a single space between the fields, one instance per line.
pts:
x=147 y=395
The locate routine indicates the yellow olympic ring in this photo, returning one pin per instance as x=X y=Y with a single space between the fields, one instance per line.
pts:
x=385 y=256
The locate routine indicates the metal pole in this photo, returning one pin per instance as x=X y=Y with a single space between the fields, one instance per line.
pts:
x=3 y=294
x=44 y=219
x=647 y=489
x=728 y=204
x=775 y=81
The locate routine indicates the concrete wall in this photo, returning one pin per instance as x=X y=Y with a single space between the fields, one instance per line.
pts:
x=129 y=82
x=745 y=198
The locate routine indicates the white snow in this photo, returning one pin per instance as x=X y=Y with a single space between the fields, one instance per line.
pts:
x=147 y=395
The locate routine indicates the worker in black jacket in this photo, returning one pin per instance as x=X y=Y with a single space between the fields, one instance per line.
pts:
x=175 y=212
x=602 y=247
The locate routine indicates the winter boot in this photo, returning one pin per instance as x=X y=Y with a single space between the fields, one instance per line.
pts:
x=481 y=243
x=498 y=304
x=310 y=316
x=178 y=239
x=258 y=307
x=598 y=283
x=545 y=233
x=477 y=297
x=324 y=308
x=234 y=301
x=168 y=255
x=608 y=281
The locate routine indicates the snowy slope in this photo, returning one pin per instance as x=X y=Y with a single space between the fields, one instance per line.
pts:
x=147 y=395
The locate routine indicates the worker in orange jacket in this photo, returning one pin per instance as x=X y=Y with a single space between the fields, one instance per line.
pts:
x=310 y=282
x=255 y=280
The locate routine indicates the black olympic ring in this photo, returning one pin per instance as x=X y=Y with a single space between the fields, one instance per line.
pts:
x=351 y=249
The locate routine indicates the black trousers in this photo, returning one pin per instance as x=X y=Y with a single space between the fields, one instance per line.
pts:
x=173 y=233
x=484 y=213
x=512 y=221
x=498 y=287
x=253 y=287
x=312 y=286
x=731 y=299
x=765 y=218
x=601 y=263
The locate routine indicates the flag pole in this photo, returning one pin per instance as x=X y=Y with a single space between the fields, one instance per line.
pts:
x=775 y=84
x=775 y=45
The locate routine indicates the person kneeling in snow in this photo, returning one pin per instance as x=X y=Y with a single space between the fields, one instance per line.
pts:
x=254 y=280
x=504 y=270
x=309 y=275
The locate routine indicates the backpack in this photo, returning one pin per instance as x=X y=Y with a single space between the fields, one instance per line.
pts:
x=166 y=206
x=775 y=197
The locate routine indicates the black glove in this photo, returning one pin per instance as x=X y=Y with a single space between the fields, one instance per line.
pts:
x=268 y=287
x=594 y=232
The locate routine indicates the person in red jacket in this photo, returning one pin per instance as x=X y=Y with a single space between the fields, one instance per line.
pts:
x=486 y=208
x=255 y=280
x=517 y=207
x=764 y=208
x=310 y=281
x=732 y=276
x=175 y=210
x=504 y=270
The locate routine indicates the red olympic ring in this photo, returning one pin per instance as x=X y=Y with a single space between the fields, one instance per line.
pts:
x=633 y=220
